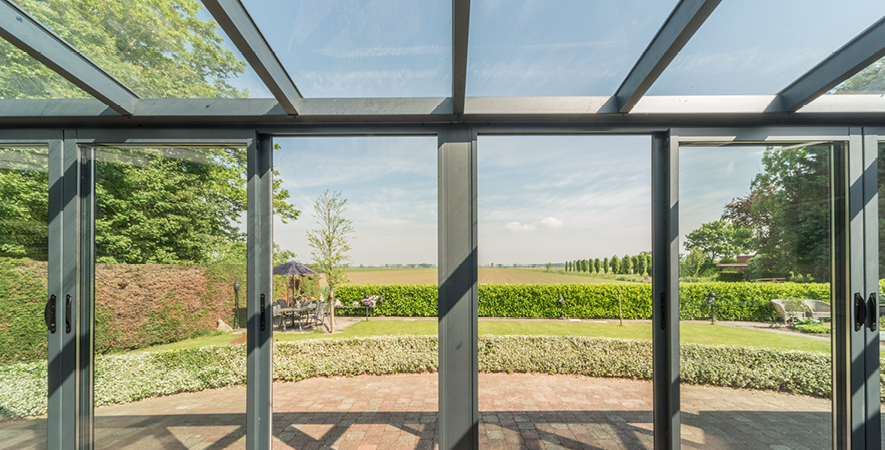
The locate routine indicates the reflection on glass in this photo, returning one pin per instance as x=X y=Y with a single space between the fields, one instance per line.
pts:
x=157 y=50
x=557 y=48
x=347 y=48
x=870 y=80
x=755 y=233
x=22 y=76
x=24 y=202
x=782 y=41
x=169 y=246
x=565 y=292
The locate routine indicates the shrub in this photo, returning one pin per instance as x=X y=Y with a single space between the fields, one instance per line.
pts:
x=734 y=301
x=130 y=377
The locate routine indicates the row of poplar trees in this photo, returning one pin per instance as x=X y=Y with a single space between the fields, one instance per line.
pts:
x=639 y=264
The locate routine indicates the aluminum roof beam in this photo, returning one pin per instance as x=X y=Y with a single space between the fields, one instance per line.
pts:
x=460 y=32
x=31 y=36
x=853 y=57
x=241 y=29
x=682 y=24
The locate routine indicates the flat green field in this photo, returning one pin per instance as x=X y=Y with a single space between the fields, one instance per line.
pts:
x=487 y=275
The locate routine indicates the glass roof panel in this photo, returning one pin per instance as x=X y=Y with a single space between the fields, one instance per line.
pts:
x=361 y=48
x=22 y=76
x=868 y=81
x=157 y=49
x=569 y=47
x=761 y=46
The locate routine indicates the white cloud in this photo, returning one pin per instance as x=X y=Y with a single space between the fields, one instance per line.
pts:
x=517 y=227
x=551 y=222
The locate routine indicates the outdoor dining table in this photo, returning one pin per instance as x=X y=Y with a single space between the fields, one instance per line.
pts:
x=366 y=307
x=297 y=311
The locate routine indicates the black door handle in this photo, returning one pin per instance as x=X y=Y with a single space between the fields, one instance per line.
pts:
x=68 y=304
x=262 y=312
x=873 y=308
x=49 y=314
x=860 y=311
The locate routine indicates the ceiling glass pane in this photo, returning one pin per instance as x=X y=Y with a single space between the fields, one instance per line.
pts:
x=361 y=48
x=868 y=81
x=22 y=76
x=761 y=46
x=157 y=49
x=568 y=47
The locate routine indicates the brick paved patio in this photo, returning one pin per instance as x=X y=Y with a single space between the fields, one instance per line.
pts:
x=399 y=412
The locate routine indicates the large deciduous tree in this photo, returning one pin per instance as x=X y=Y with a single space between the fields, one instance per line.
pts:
x=720 y=239
x=788 y=209
x=167 y=208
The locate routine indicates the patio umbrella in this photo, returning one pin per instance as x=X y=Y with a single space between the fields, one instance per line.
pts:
x=292 y=268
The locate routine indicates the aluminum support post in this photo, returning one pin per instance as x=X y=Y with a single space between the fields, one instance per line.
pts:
x=259 y=286
x=665 y=289
x=86 y=332
x=871 y=293
x=842 y=308
x=857 y=299
x=458 y=367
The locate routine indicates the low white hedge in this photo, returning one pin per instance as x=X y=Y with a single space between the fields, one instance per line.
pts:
x=131 y=377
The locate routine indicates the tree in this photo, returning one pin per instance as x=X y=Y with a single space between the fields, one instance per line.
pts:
x=549 y=265
x=605 y=266
x=641 y=264
x=596 y=265
x=330 y=242
x=24 y=204
x=158 y=49
x=172 y=205
x=616 y=264
x=788 y=209
x=627 y=265
x=719 y=239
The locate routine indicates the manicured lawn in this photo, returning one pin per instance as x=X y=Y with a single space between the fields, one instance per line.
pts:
x=689 y=332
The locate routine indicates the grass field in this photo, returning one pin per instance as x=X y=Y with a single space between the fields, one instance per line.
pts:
x=697 y=333
x=487 y=275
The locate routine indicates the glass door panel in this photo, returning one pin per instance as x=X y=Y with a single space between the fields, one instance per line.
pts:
x=170 y=252
x=24 y=202
x=755 y=296
x=565 y=329
x=367 y=226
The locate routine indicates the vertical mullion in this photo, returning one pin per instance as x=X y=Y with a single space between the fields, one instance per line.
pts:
x=259 y=377
x=86 y=332
x=70 y=295
x=55 y=343
x=458 y=295
x=840 y=298
x=857 y=338
x=665 y=289
x=871 y=281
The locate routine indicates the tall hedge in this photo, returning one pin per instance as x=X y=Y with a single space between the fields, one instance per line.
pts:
x=734 y=301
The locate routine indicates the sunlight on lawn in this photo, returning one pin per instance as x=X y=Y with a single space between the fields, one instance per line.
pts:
x=698 y=333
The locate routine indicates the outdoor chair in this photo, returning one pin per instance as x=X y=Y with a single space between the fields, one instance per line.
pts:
x=784 y=312
x=817 y=309
x=278 y=314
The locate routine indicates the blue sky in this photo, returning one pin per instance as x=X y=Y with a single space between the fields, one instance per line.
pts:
x=540 y=198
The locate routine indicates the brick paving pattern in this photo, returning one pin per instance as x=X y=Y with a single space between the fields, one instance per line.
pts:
x=518 y=411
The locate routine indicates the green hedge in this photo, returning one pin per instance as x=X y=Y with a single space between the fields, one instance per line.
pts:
x=130 y=377
x=735 y=301
x=22 y=300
